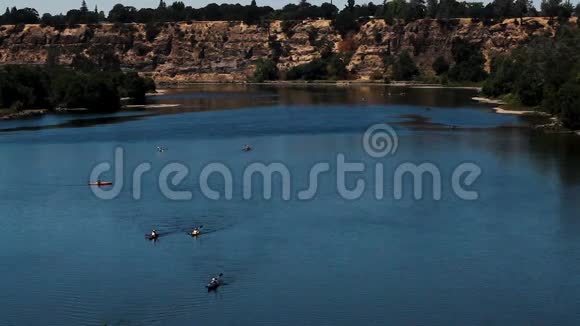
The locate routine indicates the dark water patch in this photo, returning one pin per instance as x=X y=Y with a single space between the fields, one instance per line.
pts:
x=79 y=123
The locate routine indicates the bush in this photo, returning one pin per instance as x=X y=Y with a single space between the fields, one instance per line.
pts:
x=151 y=31
x=440 y=66
x=376 y=75
x=265 y=70
x=405 y=68
x=569 y=104
x=287 y=26
x=332 y=67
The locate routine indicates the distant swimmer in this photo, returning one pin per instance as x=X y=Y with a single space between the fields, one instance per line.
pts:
x=246 y=148
x=160 y=149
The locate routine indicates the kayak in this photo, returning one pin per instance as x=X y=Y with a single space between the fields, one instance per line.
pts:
x=212 y=286
x=152 y=237
x=102 y=183
x=214 y=283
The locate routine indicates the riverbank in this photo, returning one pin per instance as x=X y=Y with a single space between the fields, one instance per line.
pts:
x=554 y=125
x=409 y=84
x=500 y=108
x=23 y=114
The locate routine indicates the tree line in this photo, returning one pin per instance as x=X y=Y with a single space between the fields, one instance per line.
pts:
x=346 y=18
x=544 y=73
x=95 y=83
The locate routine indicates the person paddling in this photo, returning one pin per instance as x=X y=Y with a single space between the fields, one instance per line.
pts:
x=214 y=283
x=196 y=231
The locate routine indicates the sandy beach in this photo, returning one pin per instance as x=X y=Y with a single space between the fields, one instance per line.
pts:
x=515 y=112
x=150 y=106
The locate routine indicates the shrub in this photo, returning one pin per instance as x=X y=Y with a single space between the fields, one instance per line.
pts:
x=404 y=67
x=287 y=27
x=332 y=67
x=376 y=75
x=265 y=70
x=151 y=31
x=440 y=66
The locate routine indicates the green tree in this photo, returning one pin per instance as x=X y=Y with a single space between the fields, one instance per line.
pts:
x=84 y=9
x=440 y=65
x=569 y=104
x=521 y=8
x=431 y=10
x=551 y=8
x=405 y=68
x=345 y=22
x=265 y=70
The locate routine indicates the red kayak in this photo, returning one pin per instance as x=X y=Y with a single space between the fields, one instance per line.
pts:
x=100 y=183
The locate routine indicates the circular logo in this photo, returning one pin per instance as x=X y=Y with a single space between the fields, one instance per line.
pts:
x=380 y=140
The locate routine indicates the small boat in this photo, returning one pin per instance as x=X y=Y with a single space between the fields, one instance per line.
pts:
x=100 y=183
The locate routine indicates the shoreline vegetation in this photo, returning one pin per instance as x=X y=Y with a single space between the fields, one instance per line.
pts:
x=87 y=85
x=543 y=73
x=345 y=20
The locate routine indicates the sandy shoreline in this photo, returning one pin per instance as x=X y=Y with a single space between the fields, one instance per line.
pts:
x=514 y=112
x=488 y=100
x=150 y=106
x=338 y=83
x=500 y=110
x=157 y=92
x=22 y=114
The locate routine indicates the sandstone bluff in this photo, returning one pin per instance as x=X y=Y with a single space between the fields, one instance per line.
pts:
x=228 y=51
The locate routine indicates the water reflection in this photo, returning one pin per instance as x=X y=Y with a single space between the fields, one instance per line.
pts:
x=220 y=96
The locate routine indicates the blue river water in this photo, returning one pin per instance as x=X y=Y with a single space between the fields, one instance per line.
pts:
x=510 y=257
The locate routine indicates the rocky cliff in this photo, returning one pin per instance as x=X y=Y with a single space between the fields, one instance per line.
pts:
x=227 y=51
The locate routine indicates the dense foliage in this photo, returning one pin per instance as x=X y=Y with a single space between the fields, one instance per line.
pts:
x=329 y=67
x=265 y=70
x=404 y=67
x=346 y=19
x=89 y=84
x=543 y=73
x=469 y=61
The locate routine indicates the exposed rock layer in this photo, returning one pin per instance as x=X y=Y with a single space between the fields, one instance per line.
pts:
x=227 y=51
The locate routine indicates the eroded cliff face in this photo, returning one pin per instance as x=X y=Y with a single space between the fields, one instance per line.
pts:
x=228 y=51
